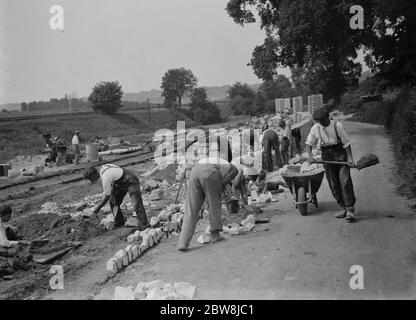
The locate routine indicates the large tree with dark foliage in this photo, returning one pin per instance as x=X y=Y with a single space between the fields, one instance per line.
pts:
x=315 y=37
x=203 y=111
x=106 y=97
x=175 y=84
x=242 y=99
x=392 y=48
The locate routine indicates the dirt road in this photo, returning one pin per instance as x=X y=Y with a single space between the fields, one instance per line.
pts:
x=295 y=256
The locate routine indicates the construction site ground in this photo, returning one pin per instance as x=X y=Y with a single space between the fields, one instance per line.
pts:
x=293 y=256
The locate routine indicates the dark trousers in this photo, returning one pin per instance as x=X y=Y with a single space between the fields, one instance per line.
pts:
x=271 y=140
x=339 y=177
x=128 y=183
x=11 y=234
x=296 y=143
x=285 y=150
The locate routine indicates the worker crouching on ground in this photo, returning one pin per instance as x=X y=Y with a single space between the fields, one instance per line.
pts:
x=208 y=179
x=8 y=236
x=330 y=136
x=116 y=183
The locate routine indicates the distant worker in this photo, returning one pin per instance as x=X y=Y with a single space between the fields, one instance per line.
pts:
x=285 y=142
x=76 y=146
x=271 y=140
x=330 y=137
x=117 y=182
x=61 y=148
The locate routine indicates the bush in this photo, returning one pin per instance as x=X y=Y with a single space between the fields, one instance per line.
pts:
x=207 y=114
x=350 y=103
x=401 y=119
x=106 y=97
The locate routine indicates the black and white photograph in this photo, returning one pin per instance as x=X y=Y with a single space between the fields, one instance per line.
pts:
x=207 y=150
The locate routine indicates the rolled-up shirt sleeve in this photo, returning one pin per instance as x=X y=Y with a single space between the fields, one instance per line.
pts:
x=4 y=242
x=312 y=139
x=343 y=135
x=107 y=187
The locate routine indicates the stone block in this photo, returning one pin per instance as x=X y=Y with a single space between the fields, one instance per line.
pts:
x=164 y=215
x=129 y=252
x=121 y=293
x=154 y=222
x=185 y=289
x=135 y=251
x=204 y=238
x=139 y=292
x=132 y=222
x=111 y=268
x=144 y=247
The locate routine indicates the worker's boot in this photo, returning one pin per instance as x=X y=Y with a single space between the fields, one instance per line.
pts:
x=216 y=236
x=350 y=216
x=119 y=220
x=341 y=214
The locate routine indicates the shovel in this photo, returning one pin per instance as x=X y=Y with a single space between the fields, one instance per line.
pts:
x=364 y=162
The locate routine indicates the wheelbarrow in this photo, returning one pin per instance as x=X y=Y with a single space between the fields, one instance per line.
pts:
x=304 y=187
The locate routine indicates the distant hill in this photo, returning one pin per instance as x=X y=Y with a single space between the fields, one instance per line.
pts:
x=214 y=93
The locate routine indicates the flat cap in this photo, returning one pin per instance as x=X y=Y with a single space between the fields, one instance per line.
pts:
x=319 y=113
x=4 y=209
x=89 y=171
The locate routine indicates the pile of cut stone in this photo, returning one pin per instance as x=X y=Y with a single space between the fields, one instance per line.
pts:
x=156 y=290
x=168 y=222
x=122 y=258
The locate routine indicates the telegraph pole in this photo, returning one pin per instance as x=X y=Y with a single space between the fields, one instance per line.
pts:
x=148 y=108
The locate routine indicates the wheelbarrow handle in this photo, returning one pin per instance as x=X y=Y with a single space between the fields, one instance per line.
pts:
x=341 y=163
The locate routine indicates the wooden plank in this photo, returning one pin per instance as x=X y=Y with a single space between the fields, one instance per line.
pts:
x=44 y=259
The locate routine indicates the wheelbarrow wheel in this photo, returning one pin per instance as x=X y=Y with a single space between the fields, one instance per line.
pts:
x=303 y=208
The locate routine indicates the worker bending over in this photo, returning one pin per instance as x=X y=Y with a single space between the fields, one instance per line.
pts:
x=271 y=140
x=330 y=137
x=206 y=180
x=116 y=183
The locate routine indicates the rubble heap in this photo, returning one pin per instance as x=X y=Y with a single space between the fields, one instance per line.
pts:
x=156 y=290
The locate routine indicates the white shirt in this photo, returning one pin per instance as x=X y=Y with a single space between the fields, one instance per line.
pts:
x=284 y=133
x=109 y=173
x=3 y=237
x=75 y=139
x=326 y=136
x=224 y=165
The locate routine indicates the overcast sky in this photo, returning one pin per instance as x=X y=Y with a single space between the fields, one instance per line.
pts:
x=132 y=41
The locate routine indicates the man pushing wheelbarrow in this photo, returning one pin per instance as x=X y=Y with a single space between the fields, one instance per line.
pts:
x=330 y=137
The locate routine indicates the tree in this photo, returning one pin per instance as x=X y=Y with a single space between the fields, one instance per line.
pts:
x=175 y=84
x=391 y=50
x=106 y=97
x=242 y=99
x=203 y=111
x=198 y=97
x=314 y=35
x=259 y=103
x=280 y=87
